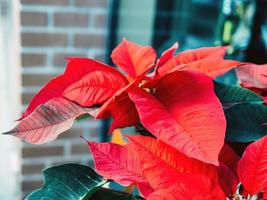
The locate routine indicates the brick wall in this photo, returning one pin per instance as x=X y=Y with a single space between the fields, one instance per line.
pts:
x=50 y=31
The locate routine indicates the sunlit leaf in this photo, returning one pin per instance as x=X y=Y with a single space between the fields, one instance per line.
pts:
x=208 y=60
x=116 y=162
x=132 y=58
x=153 y=165
x=185 y=113
x=152 y=151
x=95 y=87
x=76 y=69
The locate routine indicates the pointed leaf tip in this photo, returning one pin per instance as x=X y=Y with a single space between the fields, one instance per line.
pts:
x=134 y=59
x=48 y=121
x=8 y=133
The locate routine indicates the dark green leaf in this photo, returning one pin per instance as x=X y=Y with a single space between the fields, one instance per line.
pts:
x=231 y=95
x=245 y=113
x=106 y=194
x=68 y=182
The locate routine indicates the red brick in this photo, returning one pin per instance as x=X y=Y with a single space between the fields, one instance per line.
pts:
x=36 y=79
x=72 y=133
x=92 y=3
x=71 y=19
x=80 y=149
x=29 y=186
x=26 y=98
x=89 y=40
x=33 y=19
x=28 y=152
x=100 y=57
x=100 y=21
x=30 y=60
x=60 y=59
x=43 y=39
x=45 y=2
x=32 y=169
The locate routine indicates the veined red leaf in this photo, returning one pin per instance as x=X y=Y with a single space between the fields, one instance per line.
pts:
x=76 y=69
x=185 y=113
x=208 y=60
x=132 y=58
x=211 y=66
x=116 y=162
x=190 y=56
x=48 y=121
x=94 y=88
x=153 y=154
x=119 y=163
x=149 y=148
x=140 y=163
x=252 y=75
x=120 y=96
x=189 y=187
x=252 y=167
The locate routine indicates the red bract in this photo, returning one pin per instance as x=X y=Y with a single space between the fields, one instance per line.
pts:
x=89 y=83
x=81 y=75
x=185 y=113
x=116 y=162
x=204 y=60
x=209 y=60
x=252 y=168
x=48 y=121
x=173 y=98
x=132 y=58
x=148 y=160
x=137 y=78
x=253 y=76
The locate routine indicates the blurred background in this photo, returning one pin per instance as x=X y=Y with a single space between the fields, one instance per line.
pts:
x=36 y=36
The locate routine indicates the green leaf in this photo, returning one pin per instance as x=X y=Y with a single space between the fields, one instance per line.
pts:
x=245 y=113
x=106 y=194
x=68 y=182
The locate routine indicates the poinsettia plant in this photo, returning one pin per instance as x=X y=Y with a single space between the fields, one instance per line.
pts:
x=193 y=126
